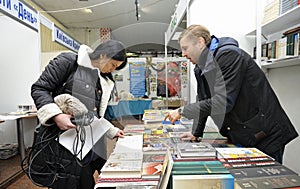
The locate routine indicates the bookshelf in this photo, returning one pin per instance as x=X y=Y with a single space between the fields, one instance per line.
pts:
x=283 y=74
x=282 y=22
x=284 y=62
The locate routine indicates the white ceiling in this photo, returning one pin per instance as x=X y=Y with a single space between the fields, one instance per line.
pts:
x=145 y=34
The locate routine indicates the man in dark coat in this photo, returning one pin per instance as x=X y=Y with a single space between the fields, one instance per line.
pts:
x=234 y=91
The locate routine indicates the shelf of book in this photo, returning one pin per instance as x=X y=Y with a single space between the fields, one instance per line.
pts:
x=284 y=62
x=286 y=20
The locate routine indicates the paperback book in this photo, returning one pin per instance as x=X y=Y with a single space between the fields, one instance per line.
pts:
x=200 y=149
x=283 y=181
x=265 y=171
x=198 y=167
x=239 y=153
x=220 y=181
x=152 y=170
x=122 y=169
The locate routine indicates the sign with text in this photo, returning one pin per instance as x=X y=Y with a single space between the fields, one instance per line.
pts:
x=64 y=39
x=137 y=79
x=176 y=19
x=20 y=11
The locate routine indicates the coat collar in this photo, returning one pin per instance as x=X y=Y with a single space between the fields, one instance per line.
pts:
x=207 y=61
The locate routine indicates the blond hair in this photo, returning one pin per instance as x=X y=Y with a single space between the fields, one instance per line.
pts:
x=196 y=31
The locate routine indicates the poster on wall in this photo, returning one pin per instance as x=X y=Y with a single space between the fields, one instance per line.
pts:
x=173 y=80
x=137 y=79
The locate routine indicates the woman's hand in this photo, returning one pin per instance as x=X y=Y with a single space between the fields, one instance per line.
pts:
x=120 y=134
x=63 y=122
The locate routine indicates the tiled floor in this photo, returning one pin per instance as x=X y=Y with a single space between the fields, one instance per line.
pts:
x=12 y=177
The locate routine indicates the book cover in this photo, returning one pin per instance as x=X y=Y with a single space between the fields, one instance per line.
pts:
x=131 y=155
x=154 y=157
x=163 y=135
x=220 y=181
x=283 y=181
x=129 y=143
x=265 y=171
x=122 y=169
x=196 y=149
x=240 y=152
x=134 y=128
x=166 y=172
x=152 y=170
x=198 y=167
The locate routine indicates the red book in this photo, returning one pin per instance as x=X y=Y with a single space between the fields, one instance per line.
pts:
x=152 y=170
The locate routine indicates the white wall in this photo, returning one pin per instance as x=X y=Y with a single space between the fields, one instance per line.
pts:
x=230 y=18
x=19 y=68
x=285 y=82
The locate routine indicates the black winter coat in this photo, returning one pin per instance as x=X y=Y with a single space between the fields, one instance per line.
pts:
x=234 y=91
x=64 y=75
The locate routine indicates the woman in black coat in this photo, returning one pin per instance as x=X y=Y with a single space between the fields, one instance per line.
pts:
x=86 y=77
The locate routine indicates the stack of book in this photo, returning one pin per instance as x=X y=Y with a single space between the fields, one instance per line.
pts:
x=153 y=116
x=239 y=157
x=124 y=165
x=209 y=174
x=195 y=151
x=157 y=142
x=252 y=168
x=265 y=177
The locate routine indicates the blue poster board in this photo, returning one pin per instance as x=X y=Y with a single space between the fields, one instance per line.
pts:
x=137 y=79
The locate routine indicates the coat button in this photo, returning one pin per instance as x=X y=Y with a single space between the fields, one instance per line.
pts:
x=228 y=128
x=99 y=91
x=95 y=109
x=87 y=86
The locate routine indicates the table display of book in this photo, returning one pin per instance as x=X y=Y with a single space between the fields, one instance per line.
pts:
x=139 y=161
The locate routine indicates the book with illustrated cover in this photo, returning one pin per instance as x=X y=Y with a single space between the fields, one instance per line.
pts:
x=199 y=149
x=220 y=181
x=240 y=152
x=131 y=155
x=154 y=157
x=154 y=147
x=152 y=170
x=122 y=169
x=134 y=128
x=163 y=135
x=152 y=116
